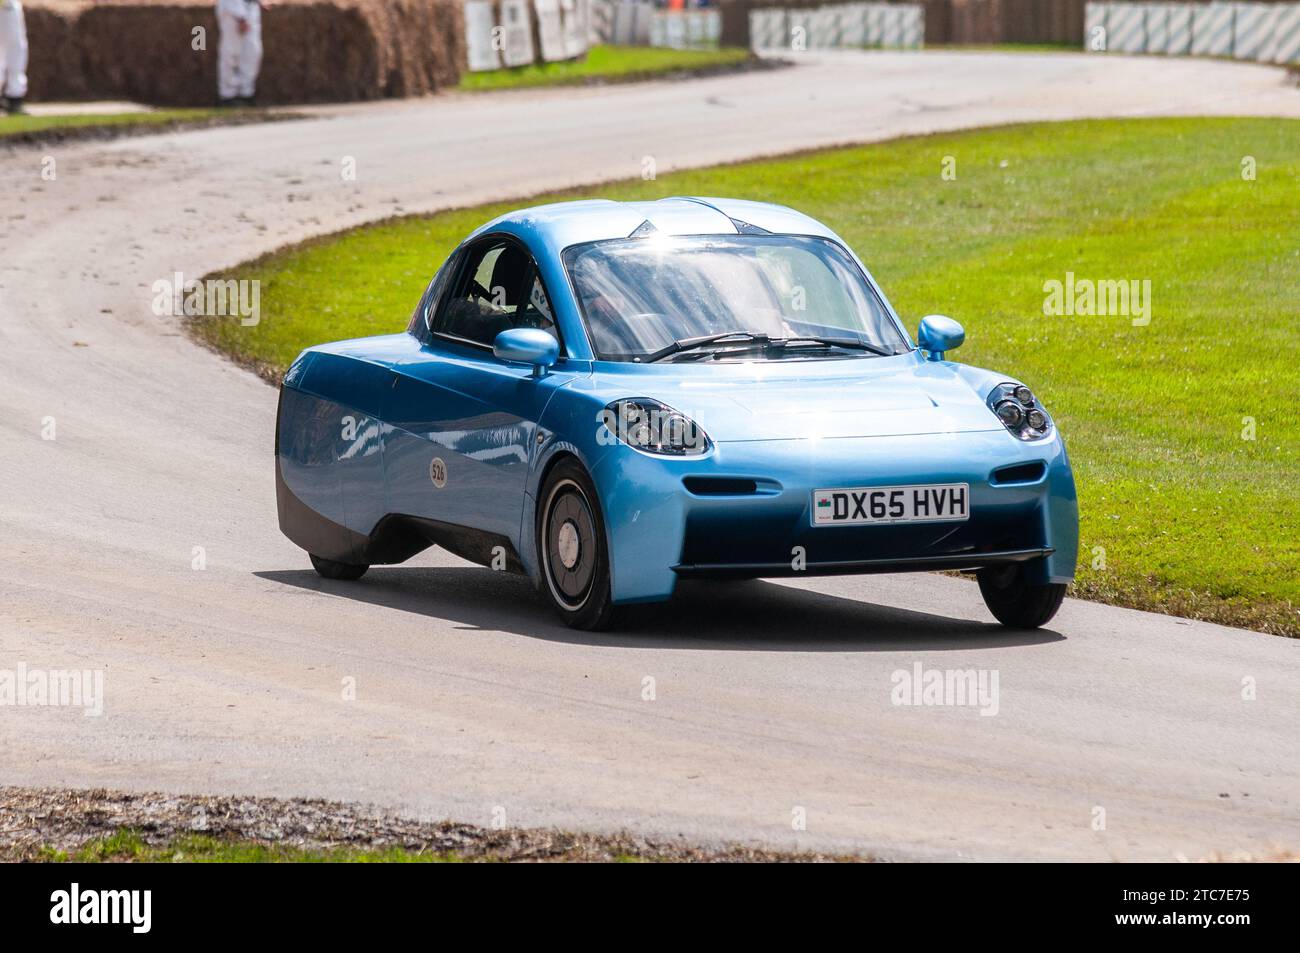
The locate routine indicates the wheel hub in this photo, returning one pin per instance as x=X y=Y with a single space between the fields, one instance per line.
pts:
x=569 y=545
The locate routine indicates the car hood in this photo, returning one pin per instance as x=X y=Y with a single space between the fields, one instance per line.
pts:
x=785 y=400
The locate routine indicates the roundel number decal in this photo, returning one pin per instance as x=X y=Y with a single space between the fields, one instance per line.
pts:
x=438 y=472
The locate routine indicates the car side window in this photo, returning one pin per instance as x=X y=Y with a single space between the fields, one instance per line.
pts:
x=498 y=289
x=422 y=318
x=535 y=311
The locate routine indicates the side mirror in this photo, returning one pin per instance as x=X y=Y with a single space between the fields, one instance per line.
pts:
x=527 y=346
x=938 y=334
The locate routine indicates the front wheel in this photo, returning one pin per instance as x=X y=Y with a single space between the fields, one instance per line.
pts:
x=572 y=549
x=336 y=570
x=1015 y=602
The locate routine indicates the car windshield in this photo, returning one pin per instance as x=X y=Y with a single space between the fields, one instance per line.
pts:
x=653 y=298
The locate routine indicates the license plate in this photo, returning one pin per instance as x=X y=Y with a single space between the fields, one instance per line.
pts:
x=854 y=505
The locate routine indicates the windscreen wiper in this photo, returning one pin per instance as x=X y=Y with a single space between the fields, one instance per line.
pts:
x=832 y=342
x=801 y=342
x=690 y=344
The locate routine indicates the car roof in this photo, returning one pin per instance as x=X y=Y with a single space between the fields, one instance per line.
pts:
x=561 y=224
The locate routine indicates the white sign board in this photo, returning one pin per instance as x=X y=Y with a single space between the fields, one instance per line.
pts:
x=1156 y=22
x=875 y=30
x=1283 y=45
x=550 y=29
x=1212 y=30
x=1178 y=29
x=575 y=28
x=674 y=28
x=1126 y=28
x=479 y=24
x=632 y=23
x=853 y=25
x=912 y=30
x=1094 y=28
x=767 y=29
x=1249 y=30
x=518 y=33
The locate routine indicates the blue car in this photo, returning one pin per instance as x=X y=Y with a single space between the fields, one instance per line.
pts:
x=612 y=396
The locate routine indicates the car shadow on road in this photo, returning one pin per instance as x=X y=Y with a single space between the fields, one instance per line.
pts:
x=752 y=615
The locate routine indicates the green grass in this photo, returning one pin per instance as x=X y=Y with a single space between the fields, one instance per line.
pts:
x=127 y=846
x=606 y=63
x=31 y=125
x=1192 y=519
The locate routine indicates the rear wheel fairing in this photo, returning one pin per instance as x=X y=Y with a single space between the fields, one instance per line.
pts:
x=394 y=539
x=312 y=513
x=390 y=542
x=306 y=461
x=365 y=467
x=349 y=393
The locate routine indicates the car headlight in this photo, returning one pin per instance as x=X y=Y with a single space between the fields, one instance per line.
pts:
x=1019 y=411
x=654 y=427
x=1010 y=413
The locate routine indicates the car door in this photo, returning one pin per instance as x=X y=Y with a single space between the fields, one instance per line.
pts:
x=461 y=422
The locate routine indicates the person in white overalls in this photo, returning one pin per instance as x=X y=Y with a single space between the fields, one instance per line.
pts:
x=13 y=55
x=239 y=51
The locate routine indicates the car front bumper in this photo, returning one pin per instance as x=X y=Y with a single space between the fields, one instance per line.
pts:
x=747 y=512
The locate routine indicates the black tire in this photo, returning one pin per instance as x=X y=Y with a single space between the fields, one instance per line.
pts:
x=333 y=570
x=572 y=552
x=1017 y=603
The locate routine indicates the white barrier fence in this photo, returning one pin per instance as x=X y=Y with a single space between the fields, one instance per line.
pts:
x=601 y=27
x=1262 y=32
x=686 y=29
x=622 y=22
x=492 y=41
x=843 y=26
x=638 y=23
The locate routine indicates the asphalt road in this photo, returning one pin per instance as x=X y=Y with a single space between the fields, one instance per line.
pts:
x=471 y=702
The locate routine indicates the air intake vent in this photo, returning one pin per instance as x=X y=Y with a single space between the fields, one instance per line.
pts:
x=1020 y=473
x=720 y=486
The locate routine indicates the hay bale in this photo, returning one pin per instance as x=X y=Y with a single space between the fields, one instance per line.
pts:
x=314 y=50
x=55 y=69
x=143 y=52
x=425 y=44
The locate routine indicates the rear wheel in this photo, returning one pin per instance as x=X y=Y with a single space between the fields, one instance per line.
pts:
x=336 y=570
x=1015 y=602
x=572 y=550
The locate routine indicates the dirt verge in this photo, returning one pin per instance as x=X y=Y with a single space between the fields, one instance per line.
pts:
x=58 y=135
x=33 y=819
